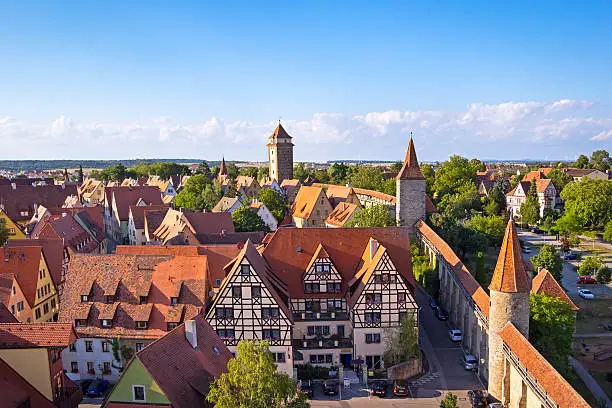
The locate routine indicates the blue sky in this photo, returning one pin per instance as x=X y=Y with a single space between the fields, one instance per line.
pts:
x=349 y=80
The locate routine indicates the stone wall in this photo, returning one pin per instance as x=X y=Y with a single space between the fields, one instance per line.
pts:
x=405 y=370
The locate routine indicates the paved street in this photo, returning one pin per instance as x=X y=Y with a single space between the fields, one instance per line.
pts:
x=447 y=373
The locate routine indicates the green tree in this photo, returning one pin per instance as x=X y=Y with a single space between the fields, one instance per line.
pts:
x=600 y=160
x=582 y=162
x=468 y=241
x=191 y=196
x=248 y=171
x=459 y=204
x=402 y=343
x=263 y=172
x=141 y=169
x=211 y=195
x=551 y=329
x=590 y=265
x=396 y=167
x=274 y=201
x=603 y=275
x=80 y=177
x=232 y=171
x=559 y=178
x=491 y=226
x=4 y=232
x=430 y=178
x=246 y=220
x=204 y=169
x=389 y=187
x=590 y=201
x=452 y=175
x=480 y=273
x=569 y=223
x=252 y=381
x=374 y=216
x=450 y=401
x=550 y=259
x=300 y=172
x=530 y=209
x=338 y=173
x=607 y=235
x=496 y=200
x=321 y=176
x=368 y=177
x=478 y=165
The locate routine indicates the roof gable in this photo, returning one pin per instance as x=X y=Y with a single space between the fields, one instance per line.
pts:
x=410 y=169
x=545 y=283
x=509 y=275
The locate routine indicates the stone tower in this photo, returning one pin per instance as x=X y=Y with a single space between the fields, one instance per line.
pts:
x=410 y=191
x=280 y=155
x=222 y=169
x=509 y=292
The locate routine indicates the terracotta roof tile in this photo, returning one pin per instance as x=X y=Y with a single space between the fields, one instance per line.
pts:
x=509 y=275
x=557 y=388
x=126 y=196
x=26 y=198
x=138 y=212
x=410 y=169
x=306 y=200
x=225 y=203
x=53 y=250
x=22 y=335
x=210 y=223
x=341 y=214
x=22 y=263
x=280 y=132
x=5 y=315
x=545 y=283
x=174 y=314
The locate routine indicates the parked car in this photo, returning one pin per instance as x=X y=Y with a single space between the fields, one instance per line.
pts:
x=97 y=388
x=536 y=230
x=609 y=326
x=307 y=388
x=440 y=313
x=379 y=388
x=455 y=335
x=85 y=384
x=331 y=387
x=586 y=294
x=477 y=398
x=586 y=280
x=432 y=303
x=470 y=362
x=526 y=250
x=570 y=256
x=400 y=388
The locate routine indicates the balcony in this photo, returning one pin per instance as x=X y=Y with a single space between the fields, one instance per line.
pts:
x=323 y=343
x=323 y=316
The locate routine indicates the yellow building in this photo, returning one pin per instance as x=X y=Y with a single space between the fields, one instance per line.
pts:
x=311 y=207
x=33 y=296
x=14 y=231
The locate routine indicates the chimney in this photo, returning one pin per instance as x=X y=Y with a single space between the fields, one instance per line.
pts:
x=373 y=247
x=191 y=334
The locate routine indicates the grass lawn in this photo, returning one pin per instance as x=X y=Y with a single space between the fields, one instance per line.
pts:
x=593 y=314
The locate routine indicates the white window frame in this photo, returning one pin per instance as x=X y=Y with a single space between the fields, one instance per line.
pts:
x=144 y=393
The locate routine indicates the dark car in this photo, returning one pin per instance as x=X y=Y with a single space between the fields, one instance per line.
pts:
x=570 y=256
x=307 y=388
x=85 y=384
x=536 y=230
x=379 y=388
x=400 y=388
x=586 y=280
x=97 y=388
x=477 y=398
x=331 y=387
x=432 y=303
x=441 y=313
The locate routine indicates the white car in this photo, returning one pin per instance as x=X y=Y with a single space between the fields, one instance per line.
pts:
x=455 y=335
x=586 y=294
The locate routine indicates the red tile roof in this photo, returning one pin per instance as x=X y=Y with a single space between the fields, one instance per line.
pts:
x=32 y=335
x=557 y=388
x=509 y=275
x=26 y=198
x=545 y=283
x=210 y=223
x=290 y=251
x=341 y=214
x=183 y=373
x=5 y=315
x=22 y=263
x=280 y=132
x=480 y=297
x=152 y=220
x=17 y=392
x=138 y=213
x=53 y=249
x=67 y=228
x=237 y=238
x=126 y=196
x=410 y=169
x=306 y=200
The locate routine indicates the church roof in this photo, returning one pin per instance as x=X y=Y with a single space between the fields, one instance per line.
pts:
x=223 y=168
x=410 y=170
x=510 y=275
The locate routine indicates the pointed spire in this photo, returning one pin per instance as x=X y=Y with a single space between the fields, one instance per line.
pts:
x=280 y=132
x=410 y=170
x=223 y=168
x=510 y=275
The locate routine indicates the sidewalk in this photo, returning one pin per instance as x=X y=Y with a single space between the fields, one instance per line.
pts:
x=583 y=336
x=590 y=382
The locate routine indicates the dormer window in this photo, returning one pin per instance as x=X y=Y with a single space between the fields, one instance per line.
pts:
x=172 y=326
x=143 y=299
x=84 y=298
x=173 y=301
x=107 y=323
x=142 y=325
x=80 y=322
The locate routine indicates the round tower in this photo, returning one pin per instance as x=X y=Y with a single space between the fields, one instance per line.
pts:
x=410 y=191
x=509 y=293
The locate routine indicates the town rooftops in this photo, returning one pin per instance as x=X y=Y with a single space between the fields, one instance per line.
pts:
x=306 y=200
x=341 y=214
x=225 y=203
x=19 y=202
x=23 y=263
x=509 y=275
x=52 y=248
x=32 y=335
x=126 y=196
x=138 y=212
x=545 y=283
x=557 y=388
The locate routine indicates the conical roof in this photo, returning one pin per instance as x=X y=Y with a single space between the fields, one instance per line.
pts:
x=223 y=168
x=410 y=170
x=510 y=275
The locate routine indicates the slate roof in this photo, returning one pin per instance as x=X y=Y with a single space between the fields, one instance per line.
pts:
x=557 y=388
x=509 y=275
x=34 y=335
x=545 y=283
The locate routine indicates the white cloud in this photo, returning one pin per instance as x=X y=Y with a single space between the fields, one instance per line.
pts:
x=564 y=126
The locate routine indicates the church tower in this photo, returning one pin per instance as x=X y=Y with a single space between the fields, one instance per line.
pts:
x=410 y=191
x=280 y=155
x=509 y=292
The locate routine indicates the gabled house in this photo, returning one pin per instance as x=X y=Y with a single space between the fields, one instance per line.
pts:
x=151 y=221
x=547 y=193
x=14 y=230
x=174 y=371
x=91 y=192
x=260 y=209
x=183 y=228
x=227 y=204
x=545 y=283
x=166 y=187
x=136 y=222
x=31 y=371
x=247 y=187
x=33 y=294
x=290 y=188
x=311 y=207
x=579 y=174
x=252 y=304
x=133 y=299
x=267 y=182
x=342 y=214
